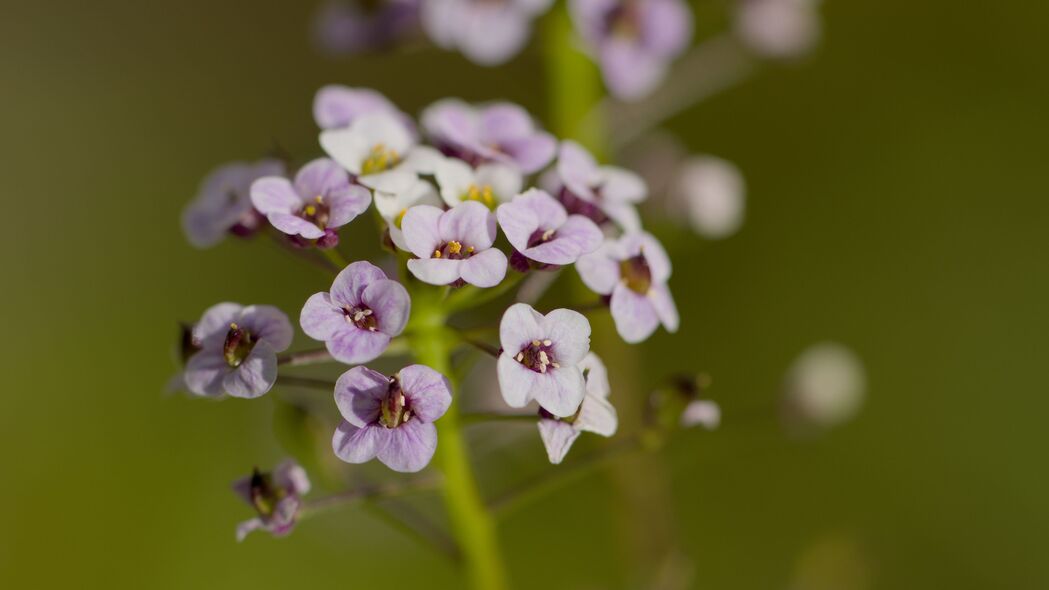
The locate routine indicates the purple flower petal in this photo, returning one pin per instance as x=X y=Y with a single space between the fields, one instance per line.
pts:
x=274 y=194
x=663 y=304
x=596 y=376
x=429 y=393
x=205 y=372
x=532 y=153
x=359 y=393
x=249 y=526
x=634 y=315
x=520 y=325
x=516 y=382
x=337 y=106
x=354 y=346
x=599 y=270
x=409 y=447
x=557 y=438
x=269 y=324
x=256 y=374
x=576 y=237
x=293 y=225
x=519 y=221
x=631 y=72
x=291 y=476
x=471 y=223
x=560 y=391
x=598 y=416
x=345 y=204
x=319 y=177
x=435 y=271
x=622 y=186
x=666 y=27
x=492 y=33
x=420 y=227
x=350 y=284
x=570 y=332
x=321 y=317
x=390 y=303
x=656 y=257
x=504 y=121
x=358 y=445
x=215 y=322
x=577 y=169
x=485 y=269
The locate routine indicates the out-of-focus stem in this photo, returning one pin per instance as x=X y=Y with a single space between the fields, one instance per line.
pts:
x=310 y=382
x=389 y=490
x=304 y=357
x=472 y=524
x=479 y=417
x=334 y=257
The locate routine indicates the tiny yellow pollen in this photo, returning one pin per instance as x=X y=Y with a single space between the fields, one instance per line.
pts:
x=536 y=343
x=469 y=249
x=311 y=210
x=555 y=365
x=547 y=342
x=454 y=247
x=233 y=326
x=436 y=254
x=319 y=199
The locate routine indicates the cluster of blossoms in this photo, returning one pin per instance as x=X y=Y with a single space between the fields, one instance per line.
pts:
x=443 y=190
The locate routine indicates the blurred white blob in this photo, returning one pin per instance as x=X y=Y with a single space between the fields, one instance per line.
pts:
x=711 y=192
x=833 y=562
x=825 y=387
x=778 y=28
x=701 y=412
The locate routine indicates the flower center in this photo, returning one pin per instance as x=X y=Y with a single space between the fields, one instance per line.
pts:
x=316 y=212
x=395 y=410
x=362 y=317
x=238 y=345
x=453 y=250
x=624 y=20
x=636 y=274
x=264 y=495
x=538 y=356
x=482 y=194
x=541 y=236
x=380 y=158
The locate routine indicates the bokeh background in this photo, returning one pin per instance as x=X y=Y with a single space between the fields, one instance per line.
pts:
x=897 y=204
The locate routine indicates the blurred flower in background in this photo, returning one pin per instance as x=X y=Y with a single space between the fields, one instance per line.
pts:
x=487 y=32
x=778 y=28
x=832 y=562
x=824 y=387
x=710 y=193
x=347 y=27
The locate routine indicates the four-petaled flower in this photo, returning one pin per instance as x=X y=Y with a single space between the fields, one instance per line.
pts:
x=276 y=496
x=633 y=40
x=359 y=316
x=489 y=184
x=540 y=229
x=392 y=207
x=598 y=192
x=320 y=200
x=223 y=205
x=454 y=245
x=497 y=132
x=595 y=414
x=238 y=350
x=541 y=356
x=634 y=271
x=390 y=417
x=488 y=32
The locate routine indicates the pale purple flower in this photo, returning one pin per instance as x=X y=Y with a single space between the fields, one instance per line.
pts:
x=710 y=194
x=454 y=245
x=496 y=132
x=601 y=193
x=488 y=184
x=392 y=207
x=633 y=271
x=223 y=204
x=276 y=496
x=390 y=417
x=238 y=350
x=778 y=28
x=359 y=315
x=701 y=412
x=320 y=200
x=541 y=357
x=346 y=27
x=336 y=106
x=634 y=41
x=539 y=228
x=487 y=32
x=595 y=414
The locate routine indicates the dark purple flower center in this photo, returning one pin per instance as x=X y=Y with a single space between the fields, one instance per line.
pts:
x=238 y=345
x=361 y=316
x=624 y=20
x=395 y=407
x=636 y=274
x=541 y=236
x=453 y=250
x=264 y=494
x=577 y=206
x=538 y=355
x=316 y=212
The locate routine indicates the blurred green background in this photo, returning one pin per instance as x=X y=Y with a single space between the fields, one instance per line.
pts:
x=897 y=204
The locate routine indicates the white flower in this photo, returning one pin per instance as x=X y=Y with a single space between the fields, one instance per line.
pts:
x=825 y=386
x=490 y=184
x=710 y=192
x=595 y=413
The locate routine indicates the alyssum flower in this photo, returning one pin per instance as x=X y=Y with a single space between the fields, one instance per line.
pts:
x=490 y=184
x=276 y=496
x=488 y=32
x=359 y=315
x=238 y=350
x=223 y=205
x=346 y=27
x=496 y=132
x=336 y=106
x=540 y=229
x=454 y=245
x=541 y=356
x=634 y=271
x=390 y=417
x=320 y=200
x=598 y=192
x=595 y=414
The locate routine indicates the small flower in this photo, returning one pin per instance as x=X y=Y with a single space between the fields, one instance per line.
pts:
x=595 y=414
x=634 y=271
x=540 y=229
x=390 y=417
x=336 y=106
x=490 y=184
x=598 y=192
x=711 y=195
x=238 y=350
x=778 y=28
x=633 y=40
x=276 y=497
x=453 y=245
x=352 y=27
x=223 y=205
x=498 y=132
x=320 y=200
x=701 y=412
x=487 y=32
x=541 y=357
x=825 y=387
x=380 y=151
x=393 y=207
x=359 y=316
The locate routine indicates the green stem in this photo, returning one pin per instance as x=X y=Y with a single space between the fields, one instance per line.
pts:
x=573 y=84
x=479 y=417
x=472 y=524
x=334 y=257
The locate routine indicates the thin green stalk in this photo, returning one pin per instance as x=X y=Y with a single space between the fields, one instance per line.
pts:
x=472 y=524
x=334 y=257
x=480 y=417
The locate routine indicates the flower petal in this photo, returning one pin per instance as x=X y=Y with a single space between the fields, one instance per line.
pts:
x=352 y=345
x=347 y=147
x=435 y=271
x=346 y=204
x=634 y=314
x=293 y=225
x=390 y=304
x=358 y=445
x=318 y=178
x=470 y=222
x=454 y=177
x=598 y=416
x=599 y=270
x=335 y=105
x=663 y=304
x=518 y=221
x=249 y=526
x=630 y=70
x=321 y=317
x=596 y=376
x=421 y=230
x=577 y=169
x=576 y=237
x=349 y=284
x=216 y=321
x=291 y=476
x=560 y=391
x=410 y=446
x=504 y=179
x=703 y=413
x=359 y=393
x=520 y=325
x=429 y=392
x=484 y=269
x=516 y=381
x=656 y=257
x=557 y=438
x=256 y=374
x=274 y=194
x=570 y=332
x=268 y=323
x=205 y=372
x=531 y=153
x=619 y=185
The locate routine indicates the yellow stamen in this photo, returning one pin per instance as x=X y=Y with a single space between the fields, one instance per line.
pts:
x=454 y=247
x=400 y=217
x=311 y=210
x=436 y=254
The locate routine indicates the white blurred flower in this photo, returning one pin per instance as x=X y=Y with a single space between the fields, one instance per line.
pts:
x=778 y=28
x=824 y=387
x=712 y=194
x=701 y=412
